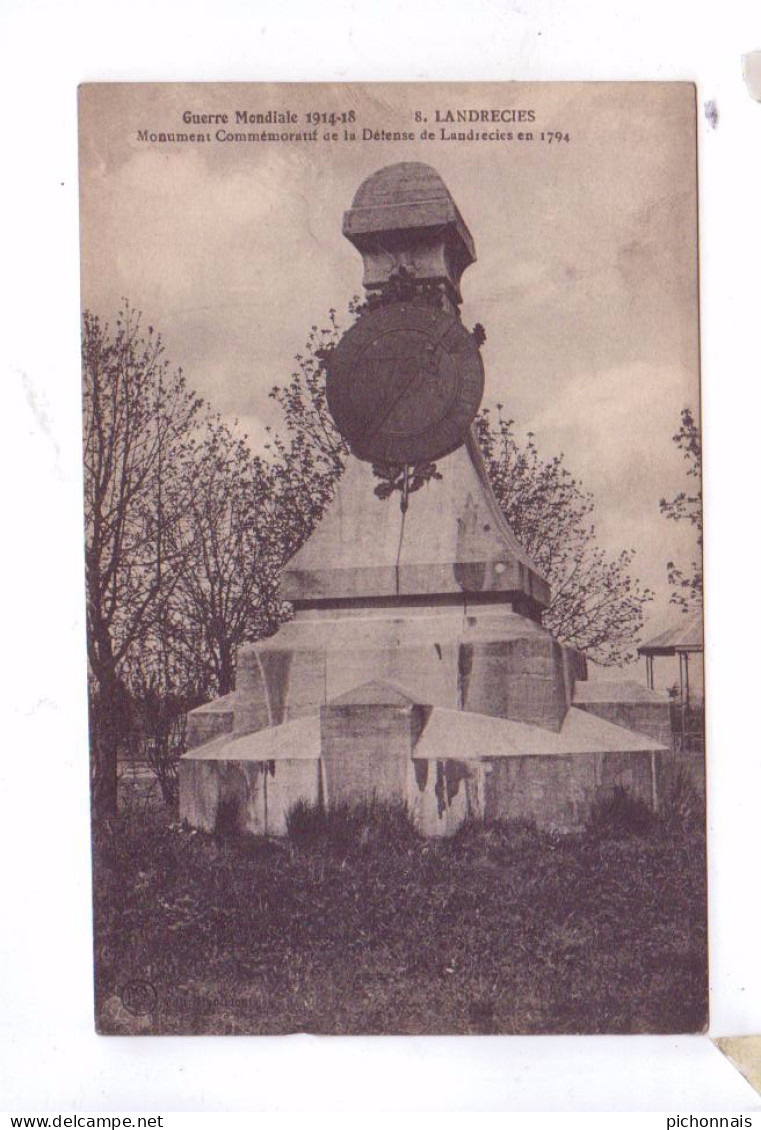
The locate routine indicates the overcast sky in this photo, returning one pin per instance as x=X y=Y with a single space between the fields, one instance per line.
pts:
x=586 y=279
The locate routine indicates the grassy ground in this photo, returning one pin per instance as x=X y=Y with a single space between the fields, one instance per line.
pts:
x=364 y=928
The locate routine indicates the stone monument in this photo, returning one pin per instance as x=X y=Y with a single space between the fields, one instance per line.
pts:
x=416 y=667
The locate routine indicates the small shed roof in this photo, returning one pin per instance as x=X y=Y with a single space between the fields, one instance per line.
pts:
x=685 y=636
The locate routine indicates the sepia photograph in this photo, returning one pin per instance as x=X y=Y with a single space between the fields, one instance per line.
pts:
x=393 y=557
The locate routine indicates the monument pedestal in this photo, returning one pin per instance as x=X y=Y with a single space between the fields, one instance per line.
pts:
x=415 y=669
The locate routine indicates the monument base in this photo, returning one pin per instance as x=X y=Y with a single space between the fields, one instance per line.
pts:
x=466 y=710
x=446 y=766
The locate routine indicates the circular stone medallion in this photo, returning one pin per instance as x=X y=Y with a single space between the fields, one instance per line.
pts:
x=404 y=384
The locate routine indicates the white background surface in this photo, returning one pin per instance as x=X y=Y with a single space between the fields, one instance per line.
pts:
x=50 y=1058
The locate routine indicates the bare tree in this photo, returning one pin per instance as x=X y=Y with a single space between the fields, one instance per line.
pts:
x=686 y=506
x=308 y=461
x=229 y=592
x=138 y=484
x=165 y=674
x=597 y=603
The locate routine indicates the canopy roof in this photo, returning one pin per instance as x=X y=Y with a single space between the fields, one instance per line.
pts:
x=685 y=636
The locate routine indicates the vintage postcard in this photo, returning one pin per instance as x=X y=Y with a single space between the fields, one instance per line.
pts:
x=392 y=452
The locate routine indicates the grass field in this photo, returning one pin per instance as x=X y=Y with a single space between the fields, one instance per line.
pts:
x=356 y=925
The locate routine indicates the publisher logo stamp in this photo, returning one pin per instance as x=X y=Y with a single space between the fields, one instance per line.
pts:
x=139 y=997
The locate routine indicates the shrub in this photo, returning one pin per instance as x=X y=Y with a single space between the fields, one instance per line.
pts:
x=682 y=808
x=227 y=819
x=347 y=827
x=305 y=823
x=497 y=837
x=620 y=814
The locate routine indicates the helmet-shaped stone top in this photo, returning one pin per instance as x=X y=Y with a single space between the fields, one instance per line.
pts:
x=404 y=215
